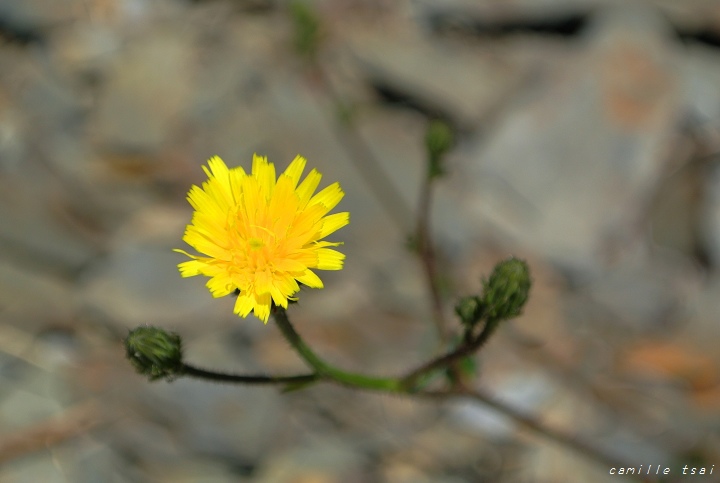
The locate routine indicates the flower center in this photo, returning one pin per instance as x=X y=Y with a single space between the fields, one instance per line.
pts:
x=256 y=243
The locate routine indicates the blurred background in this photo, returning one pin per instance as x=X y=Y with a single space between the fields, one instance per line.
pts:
x=587 y=135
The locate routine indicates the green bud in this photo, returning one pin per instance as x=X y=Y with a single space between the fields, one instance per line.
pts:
x=470 y=310
x=307 y=29
x=507 y=289
x=438 y=140
x=345 y=113
x=412 y=244
x=154 y=352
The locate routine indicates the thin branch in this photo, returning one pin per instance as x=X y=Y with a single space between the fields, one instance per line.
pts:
x=364 y=160
x=426 y=252
x=463 y=350
x=567 y=440
x=387 y=194
x=191 y=371
x=327 y=372
x=625 y=410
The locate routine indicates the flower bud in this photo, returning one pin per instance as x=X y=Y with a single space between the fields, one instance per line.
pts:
x=507 y=289
x=154 y=352
x=438 y=140
x=307 y=29
x=470 y=310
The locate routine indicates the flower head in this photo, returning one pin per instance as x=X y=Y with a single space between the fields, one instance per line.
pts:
x=261 y=235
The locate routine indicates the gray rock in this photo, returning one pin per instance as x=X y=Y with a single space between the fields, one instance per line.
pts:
x=140 y=284
x=642 y=294
x=34 y=298
x=567 y=171
x=33 y=469
x=462 y=84
x=710 y=222
x=329 y=459
x=85 y=460
x=148 y=91
x=24 y=407
x=12 y=137
x=700 y=71
x=36 y=239
x=237 y=423
x=524 y=392
x=83 y=52
x=703 y=309
x=196 y=470
x=33 y=15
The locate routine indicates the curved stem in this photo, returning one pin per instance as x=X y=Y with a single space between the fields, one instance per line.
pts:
x=446 y=360
x=325 y=369
x=191 y=371
x=426 y=252
x=406 y=385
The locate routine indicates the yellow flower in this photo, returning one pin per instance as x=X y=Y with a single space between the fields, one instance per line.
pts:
x=262 y=236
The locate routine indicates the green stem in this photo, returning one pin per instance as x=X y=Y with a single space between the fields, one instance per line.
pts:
x=323 y=368
x=409 y=381
x=426 y=252
x=191 y=371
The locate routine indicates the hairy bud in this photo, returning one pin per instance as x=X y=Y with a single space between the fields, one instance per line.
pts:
x=470 y=310
x=507 y=289
x=154 y=352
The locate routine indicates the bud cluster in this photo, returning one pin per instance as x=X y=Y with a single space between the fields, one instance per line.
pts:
x=470 y=310
x=507 y=289
x=503 y=297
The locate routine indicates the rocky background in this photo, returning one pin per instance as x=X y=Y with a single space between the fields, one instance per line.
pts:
x=587 y=141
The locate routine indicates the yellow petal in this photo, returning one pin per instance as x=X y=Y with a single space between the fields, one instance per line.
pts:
x=218 y=184
x=190 y=268
x=310 y=279
x=201 y=243
x=328 y=197
x=308 y=187
x=263 y=282
x=323 y=244
x=329 y=259
x=332 y=223
x=250 y=201
x=220 y=286
x=283 y=206
x=203 y=202
x=221 y=173
x=288 y=265
x=286 y=284
x=278 y=297
x=236 y=175
x=244 y=304
x=178 y=250
x=264 y=172
x=262 y=307
x=295 y=169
